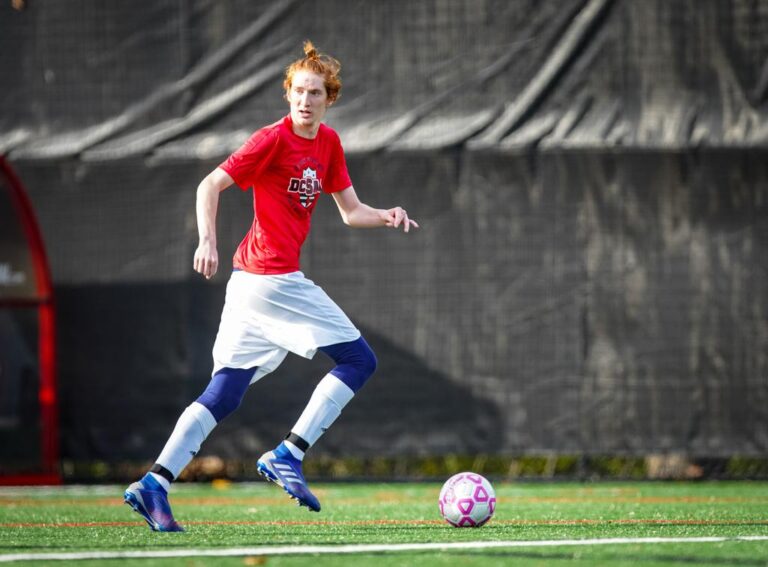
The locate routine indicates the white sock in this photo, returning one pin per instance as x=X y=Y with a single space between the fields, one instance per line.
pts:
x=325 y=405
x=164 y=482
x=194 y=425
x=295 y=451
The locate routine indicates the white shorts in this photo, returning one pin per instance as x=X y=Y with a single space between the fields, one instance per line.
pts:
x=266 y=317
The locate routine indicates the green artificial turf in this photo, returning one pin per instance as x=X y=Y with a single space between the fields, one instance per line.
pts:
x=69 y=519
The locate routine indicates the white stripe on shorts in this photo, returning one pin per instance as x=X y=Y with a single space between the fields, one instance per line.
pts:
x=267 y=316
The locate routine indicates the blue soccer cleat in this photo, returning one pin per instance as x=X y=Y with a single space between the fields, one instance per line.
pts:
x=286 y=472
x=150 y=500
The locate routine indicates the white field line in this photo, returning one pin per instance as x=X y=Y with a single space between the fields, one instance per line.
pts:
x=362 y=548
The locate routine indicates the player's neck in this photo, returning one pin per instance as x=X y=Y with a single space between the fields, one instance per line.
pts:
x=309 y=133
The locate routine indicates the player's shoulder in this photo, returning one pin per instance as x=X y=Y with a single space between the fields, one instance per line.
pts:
x=327 y=130
x=271 y=131
x=263 y=137
x=329 y=133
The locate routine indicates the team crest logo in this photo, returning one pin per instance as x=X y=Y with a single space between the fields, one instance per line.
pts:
x=308 y=186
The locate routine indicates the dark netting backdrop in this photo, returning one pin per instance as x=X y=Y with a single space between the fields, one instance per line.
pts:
x=591 y=176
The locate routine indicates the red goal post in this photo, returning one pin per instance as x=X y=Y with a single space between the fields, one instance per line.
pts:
x=29 y=429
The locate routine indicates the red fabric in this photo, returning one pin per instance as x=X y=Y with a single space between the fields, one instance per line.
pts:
x=287 y=173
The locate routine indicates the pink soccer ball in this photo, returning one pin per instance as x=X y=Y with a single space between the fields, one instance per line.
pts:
x=467 y=500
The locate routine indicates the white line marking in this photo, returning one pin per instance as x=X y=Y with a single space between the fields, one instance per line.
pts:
x=361 y=548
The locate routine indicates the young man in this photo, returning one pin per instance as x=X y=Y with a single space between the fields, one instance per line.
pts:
x=271 y=308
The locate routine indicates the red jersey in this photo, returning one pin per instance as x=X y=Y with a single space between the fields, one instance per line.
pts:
x=287 y=173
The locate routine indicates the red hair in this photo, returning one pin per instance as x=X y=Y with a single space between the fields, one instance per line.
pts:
x=321 y=64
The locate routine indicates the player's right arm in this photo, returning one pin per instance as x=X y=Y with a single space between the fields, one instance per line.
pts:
x=207 y=204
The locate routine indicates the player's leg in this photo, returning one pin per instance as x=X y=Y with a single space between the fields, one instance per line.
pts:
x=355 y=363
x=149 y=496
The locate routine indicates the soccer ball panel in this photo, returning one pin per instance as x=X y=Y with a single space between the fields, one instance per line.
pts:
x=467 y=500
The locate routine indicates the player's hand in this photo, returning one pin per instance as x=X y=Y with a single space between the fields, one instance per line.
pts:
x=399 y=216
x=206 y=260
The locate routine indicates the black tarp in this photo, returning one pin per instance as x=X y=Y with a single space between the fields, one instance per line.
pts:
x=591 y=177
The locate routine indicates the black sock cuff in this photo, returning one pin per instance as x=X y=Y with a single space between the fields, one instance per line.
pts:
x=162 y=471
x=298 y=441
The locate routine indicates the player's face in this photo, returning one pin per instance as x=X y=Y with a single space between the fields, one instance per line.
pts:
x=309 y=101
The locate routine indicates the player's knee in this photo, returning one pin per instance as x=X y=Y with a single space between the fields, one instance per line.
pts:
x=355 y=362
x=225 y=391
x=226 y=404
x=368 y=362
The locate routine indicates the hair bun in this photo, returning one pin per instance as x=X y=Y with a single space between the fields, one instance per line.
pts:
x=309 y=50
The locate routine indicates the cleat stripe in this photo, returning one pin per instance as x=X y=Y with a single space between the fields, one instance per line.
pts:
x=290 y=479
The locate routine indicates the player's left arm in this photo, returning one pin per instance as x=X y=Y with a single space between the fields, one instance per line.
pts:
x=357 y=214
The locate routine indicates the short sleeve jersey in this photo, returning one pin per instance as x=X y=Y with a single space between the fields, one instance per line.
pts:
x=287 y=173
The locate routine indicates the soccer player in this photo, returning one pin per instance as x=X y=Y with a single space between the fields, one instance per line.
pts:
x=271 y=308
